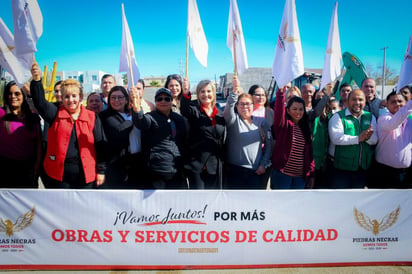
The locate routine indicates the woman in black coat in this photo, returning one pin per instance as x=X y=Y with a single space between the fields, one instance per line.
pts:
x=203 y=165
x=119 y=130
x=163 y=139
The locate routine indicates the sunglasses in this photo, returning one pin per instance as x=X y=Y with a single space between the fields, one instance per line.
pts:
x=161 y=98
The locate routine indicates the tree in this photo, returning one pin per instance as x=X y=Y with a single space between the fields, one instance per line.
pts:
x=124 y=78
x=376 y=73
x=372 y=71
x=154 y=83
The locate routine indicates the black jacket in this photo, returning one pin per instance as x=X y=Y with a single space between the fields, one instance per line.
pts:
x=117 y=131
x=163 y=140
x=205 y=140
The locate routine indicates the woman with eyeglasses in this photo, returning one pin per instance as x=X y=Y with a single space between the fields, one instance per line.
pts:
x=247 y=135
x=261 y=109
x=123 y=139
x=207 y=132
x=164 y=136
x=75 y=156
x=260 y=103
x=174 y=83
x=20 y=139
x=292 y=161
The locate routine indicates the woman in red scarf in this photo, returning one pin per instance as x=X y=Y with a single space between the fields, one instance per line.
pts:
x=207 y=130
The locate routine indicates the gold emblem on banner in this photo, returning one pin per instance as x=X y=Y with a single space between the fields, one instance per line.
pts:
x=22 y=222
x=373 y=225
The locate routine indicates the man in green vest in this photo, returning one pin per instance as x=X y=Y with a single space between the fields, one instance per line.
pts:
x=352 y=133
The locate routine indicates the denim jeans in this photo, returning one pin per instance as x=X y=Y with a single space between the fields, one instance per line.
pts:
x=346 y=179
x=278 y=180
x=242 y=178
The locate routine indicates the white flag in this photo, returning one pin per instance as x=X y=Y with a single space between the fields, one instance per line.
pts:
x=18 y=67
x=235 y=33
x=333 y=56
x=127 y=59
x=288 y=61
x=6 y=34
x=12 y=64
x=196 y=34
x=28 y=25
x=405 y=76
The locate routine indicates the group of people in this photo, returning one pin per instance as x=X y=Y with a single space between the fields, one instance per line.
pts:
x=368 y=139
x=309 y=139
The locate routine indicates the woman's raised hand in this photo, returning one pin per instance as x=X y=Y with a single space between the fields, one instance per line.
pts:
x=35 y=71
x=186 y=86
x=236 y=85
x=135 y=99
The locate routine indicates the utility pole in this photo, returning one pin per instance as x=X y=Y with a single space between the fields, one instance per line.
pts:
x=383 y=70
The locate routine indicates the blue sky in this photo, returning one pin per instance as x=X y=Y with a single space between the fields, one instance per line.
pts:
x=86 y=35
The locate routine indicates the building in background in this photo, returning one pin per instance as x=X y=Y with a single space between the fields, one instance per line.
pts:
x=89 y=79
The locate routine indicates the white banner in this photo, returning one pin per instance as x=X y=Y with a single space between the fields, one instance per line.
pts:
x=84 y=229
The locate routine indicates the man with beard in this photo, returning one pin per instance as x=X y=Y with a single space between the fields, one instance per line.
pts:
x=352 y=133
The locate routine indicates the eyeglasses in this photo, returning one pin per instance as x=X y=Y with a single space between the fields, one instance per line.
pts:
x=16 y=93
x=245 y=104
x=166 y=99
x=119 y=97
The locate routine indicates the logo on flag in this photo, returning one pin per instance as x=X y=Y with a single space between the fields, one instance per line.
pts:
x=282 y=38
x=28 y=25
x=235 y=40
x=288 y=60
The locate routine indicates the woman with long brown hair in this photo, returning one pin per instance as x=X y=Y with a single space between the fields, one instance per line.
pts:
x=20 y=139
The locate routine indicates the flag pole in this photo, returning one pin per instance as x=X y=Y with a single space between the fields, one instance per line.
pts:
x=129 y=65
x=187 y=42
x=234 y=53
x=187 y=56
